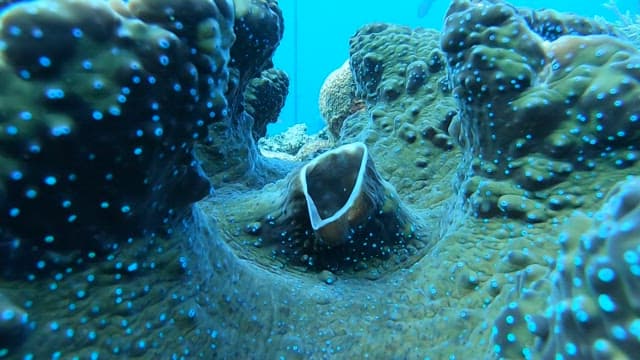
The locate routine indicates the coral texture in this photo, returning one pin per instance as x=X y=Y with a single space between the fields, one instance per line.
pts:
x=230 y=153
x=100 y=115
x=398 y=72
x=14 y=323
x=264 y=97
x=490 y=266
x=537 y=82
x=593 y=311
x=337 y=98
x=541 y=95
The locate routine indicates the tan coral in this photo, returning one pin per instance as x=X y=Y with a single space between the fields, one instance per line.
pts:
x=337 y=98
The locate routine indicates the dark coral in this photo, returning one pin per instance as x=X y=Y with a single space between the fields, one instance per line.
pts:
x=100 y=115
x=258 y=27
x=231 y=147
x=593 y=311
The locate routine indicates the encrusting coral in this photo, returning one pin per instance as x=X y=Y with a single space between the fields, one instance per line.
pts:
x=256 y=92
x=469 y=267
x=101 y=110
x=559 y=88
x=542 y=95
x=264 y=97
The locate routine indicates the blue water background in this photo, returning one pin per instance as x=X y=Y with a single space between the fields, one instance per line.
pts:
x=322 y=41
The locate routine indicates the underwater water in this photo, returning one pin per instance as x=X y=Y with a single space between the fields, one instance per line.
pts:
x=472 y=191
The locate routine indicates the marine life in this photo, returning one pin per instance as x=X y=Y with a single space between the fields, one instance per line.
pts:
x=473 y=195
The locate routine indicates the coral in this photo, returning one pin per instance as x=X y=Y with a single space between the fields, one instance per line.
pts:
x=264 y=97
x=594 y=308
x=247 y=276
x=258 y=27
x=14 y=324
x=593 y=311
x=288 y=142
x=561 y=86
x=337 y=98
x=541 y=94
x=398 y=72
x=353 y=213
x=100 y=114
x=231 y=147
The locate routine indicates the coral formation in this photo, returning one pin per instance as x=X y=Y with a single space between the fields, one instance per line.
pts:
x=264 y=97
x=477 y=222
x=398 y=72
x=230 y=152
x=562 y=86
x=14 y=323
x=100 y=115
x=593 y=309
x=541 y=94
x=337 y=98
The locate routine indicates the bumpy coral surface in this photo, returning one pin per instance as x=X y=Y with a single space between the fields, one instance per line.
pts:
x=592 y=310
x=542 y=95
x=337 y=98
x=100 y=114
x=529 y=82
x=264 y=97
x=399 y=72
x=497 y=265
x=548 y=100
x=230 y=153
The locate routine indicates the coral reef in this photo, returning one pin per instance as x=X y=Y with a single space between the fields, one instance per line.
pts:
x=280 y=233
x=230 y=153
x=490 y=258
x=398 y=72
x=289 y=142
x=593 y=310
x=100 y=115
x=547 y=112
x=384 y=58
x=556 y=88
x=338 y=99
x=542 y=95
x=264 y=97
